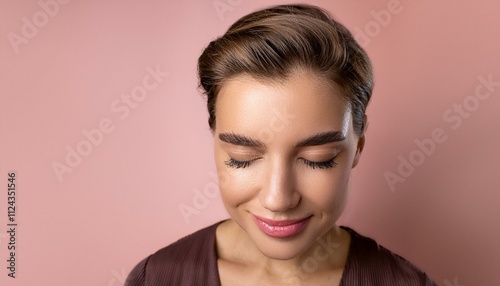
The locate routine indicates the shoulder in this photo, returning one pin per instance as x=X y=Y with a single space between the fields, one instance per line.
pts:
x=176 y=263
x=372 y=264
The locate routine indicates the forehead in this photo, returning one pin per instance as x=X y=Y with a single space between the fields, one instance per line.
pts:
x=305 y=99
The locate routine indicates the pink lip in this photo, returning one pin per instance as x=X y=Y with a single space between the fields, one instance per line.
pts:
x=281 y=228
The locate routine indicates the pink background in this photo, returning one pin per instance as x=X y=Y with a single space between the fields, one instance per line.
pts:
x=121 y=202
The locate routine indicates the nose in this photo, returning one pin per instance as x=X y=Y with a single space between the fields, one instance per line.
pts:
x=278 y=193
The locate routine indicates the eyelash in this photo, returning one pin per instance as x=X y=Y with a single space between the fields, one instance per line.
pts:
x=313 y=165
x=321 y=165
x=237 y=164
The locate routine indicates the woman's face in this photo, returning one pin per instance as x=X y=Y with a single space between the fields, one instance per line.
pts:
x=284 y=152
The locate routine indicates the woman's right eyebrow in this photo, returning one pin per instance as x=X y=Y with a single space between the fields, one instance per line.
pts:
x=240 y=140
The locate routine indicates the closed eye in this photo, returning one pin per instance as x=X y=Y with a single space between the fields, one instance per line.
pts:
x=237 y=164
x=321 y=165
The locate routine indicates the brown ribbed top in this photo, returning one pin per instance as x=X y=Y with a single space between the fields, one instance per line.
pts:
x=192 y=260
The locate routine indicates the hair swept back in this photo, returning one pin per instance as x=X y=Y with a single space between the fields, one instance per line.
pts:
x=272 y=43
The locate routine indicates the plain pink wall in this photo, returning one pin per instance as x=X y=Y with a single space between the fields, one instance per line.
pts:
x=121 y=201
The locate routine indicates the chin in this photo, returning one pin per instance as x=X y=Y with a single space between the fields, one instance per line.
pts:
x=283 y=249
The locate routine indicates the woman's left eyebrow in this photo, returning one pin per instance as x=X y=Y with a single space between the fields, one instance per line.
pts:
x=240 y=140
x=321 y=139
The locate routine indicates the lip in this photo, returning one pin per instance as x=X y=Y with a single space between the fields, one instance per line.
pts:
x=281 y=228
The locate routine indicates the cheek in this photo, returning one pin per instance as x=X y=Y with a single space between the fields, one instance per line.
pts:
x=237 y=186
x=326 y=191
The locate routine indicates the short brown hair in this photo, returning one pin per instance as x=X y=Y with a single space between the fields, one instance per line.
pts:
x=272 y=43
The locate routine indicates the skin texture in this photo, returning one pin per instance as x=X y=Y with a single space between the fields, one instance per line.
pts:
x=278 y=181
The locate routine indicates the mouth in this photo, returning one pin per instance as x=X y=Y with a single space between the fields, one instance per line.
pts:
x=281 y=228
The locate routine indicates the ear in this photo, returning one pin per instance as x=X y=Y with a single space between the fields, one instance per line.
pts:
x=361 y=142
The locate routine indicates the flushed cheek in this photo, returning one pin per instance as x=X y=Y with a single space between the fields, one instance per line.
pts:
x=233 y=183
x=327 y=193
x=329 y=189
x=241 y=187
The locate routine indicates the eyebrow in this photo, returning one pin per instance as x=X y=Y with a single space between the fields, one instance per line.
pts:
x=314 y=140
x=241 y=140
x=321 y=139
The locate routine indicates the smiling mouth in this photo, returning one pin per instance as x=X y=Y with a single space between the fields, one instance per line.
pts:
x=281 y=228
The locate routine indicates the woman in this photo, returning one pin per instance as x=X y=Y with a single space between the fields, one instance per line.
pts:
x=287 y=88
